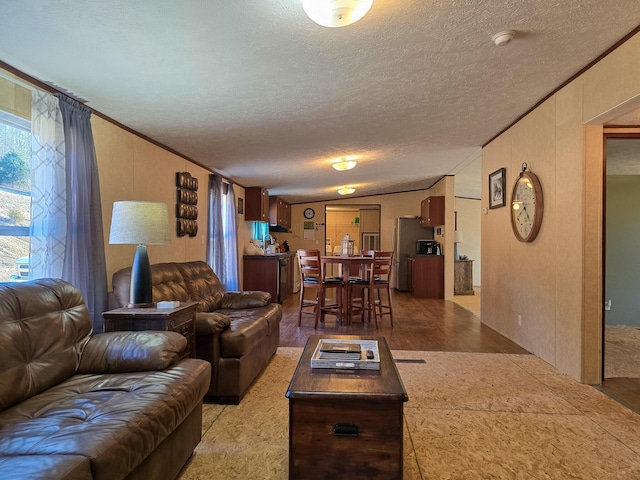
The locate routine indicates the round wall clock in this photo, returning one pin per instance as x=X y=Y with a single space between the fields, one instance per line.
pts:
x=309 y=213
x=527 y=205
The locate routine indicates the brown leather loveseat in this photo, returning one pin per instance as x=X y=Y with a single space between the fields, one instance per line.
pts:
x=73 y=405
x=237 y=332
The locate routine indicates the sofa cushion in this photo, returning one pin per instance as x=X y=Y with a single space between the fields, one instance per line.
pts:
x=116 y=420
x=121 y=352
x=247 y=299
x=60 y=467
x=249 y=328
x=211 y=323
x=31 y=358
x=166 y=279
x=203 y=285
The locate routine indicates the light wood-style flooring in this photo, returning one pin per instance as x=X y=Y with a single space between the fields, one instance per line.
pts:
x=420 y=324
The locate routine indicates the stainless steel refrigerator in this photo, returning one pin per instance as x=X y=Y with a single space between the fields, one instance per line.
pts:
x=406 y=232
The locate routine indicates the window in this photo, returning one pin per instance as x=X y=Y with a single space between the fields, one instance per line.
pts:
x=15 y=197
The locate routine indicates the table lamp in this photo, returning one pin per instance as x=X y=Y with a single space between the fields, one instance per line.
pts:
x=140 y=223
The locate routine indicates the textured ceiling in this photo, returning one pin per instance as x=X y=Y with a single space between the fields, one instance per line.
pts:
x=258 y=92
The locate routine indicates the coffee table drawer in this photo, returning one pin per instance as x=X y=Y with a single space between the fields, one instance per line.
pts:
x=345 y=439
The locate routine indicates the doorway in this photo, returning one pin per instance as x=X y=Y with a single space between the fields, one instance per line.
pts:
x=621 y=318
x=360 y=221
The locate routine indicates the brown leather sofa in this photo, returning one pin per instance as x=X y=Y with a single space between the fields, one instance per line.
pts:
x=237 y=332
x=119 y=405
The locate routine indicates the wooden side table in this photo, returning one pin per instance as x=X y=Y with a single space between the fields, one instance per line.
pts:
x=463 y=277
x=181 y=319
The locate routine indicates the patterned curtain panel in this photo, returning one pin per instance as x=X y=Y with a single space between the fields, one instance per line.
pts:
x=48 y=188
x=84 y=264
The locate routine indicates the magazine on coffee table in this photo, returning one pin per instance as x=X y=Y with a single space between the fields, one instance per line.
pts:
x=346 y=354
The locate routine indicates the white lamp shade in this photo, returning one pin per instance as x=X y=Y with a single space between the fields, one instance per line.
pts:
x=457 y=236
x=136 y=223
x=336 y=13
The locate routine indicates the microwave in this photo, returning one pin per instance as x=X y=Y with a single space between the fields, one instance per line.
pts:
x=427 y=247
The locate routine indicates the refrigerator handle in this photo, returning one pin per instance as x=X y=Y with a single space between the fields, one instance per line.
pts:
x=394 y=240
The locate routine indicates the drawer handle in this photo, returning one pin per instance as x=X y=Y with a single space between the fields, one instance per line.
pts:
x=345 y=430
x=184 y=331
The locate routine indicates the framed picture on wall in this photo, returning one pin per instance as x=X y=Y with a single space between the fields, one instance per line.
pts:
x=497 y=184
x=240 y=206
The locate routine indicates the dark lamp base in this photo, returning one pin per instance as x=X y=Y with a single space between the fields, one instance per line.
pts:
x=141 y=305
x=141 y=290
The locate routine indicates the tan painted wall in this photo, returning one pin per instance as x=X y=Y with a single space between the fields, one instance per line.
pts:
x=555 y=282
x=14 y=98
x=132 y=168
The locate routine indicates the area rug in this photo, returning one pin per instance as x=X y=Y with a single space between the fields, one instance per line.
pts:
x=621 y=352
x=469 y=416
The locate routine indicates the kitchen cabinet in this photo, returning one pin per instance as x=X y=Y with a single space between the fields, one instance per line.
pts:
x=279 y=213
x=432 y=211
x=426 y=276
x=256 y=204
x=269 y=273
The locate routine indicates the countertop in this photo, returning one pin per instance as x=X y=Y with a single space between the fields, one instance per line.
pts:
x=273 y=255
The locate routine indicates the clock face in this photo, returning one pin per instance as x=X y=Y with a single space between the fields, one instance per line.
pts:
x=526 y=207
x=309 y=213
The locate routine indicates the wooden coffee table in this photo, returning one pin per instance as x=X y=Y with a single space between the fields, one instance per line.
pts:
x=345 y=423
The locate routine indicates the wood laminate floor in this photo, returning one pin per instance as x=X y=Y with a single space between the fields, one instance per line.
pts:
x=420 y=324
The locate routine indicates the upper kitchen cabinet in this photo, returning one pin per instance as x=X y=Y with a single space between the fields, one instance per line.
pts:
x=432 y=211
x=279 y=213
x=256 y=204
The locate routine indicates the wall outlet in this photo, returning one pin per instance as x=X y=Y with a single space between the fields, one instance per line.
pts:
x=519 y=320
x=607 y=305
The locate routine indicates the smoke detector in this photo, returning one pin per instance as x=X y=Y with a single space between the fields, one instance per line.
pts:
x=502 y=38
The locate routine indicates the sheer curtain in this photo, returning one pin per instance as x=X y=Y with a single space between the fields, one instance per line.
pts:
x=222 y=249
x=230 y=240
x=48 y=188
x=84 y=263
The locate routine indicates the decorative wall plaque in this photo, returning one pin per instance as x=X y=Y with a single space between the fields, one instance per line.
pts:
x=187 y=204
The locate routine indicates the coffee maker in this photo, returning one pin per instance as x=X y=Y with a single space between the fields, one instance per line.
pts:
x=427 y=247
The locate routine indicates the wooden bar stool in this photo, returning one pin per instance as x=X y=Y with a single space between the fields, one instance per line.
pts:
x=312 y=277
x=377 y=281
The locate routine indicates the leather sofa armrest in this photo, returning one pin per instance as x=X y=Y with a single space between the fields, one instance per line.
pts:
x=211 y=323
x=122 y=352
x=248 y=299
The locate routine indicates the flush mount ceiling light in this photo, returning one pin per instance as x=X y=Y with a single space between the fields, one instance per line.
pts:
x=346 y=190
x=336 y=13
x=502 y=38
x=344 y=164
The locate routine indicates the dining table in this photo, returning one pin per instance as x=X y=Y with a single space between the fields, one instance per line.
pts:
x=347 y=262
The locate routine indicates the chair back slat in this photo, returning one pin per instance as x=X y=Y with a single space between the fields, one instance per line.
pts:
x=310 y=266
x=381 y=266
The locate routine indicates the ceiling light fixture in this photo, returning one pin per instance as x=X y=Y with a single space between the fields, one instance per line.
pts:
x=336 y=13
x=346 y=190
x=344 y=164
x=502 y=38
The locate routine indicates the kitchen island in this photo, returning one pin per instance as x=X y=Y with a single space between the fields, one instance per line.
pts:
x=271 y=273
